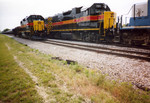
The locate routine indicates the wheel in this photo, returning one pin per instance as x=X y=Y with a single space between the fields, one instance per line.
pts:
x=125 y=39
x=109 y=37
x=147 y=39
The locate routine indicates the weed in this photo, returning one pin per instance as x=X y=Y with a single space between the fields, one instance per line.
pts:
x=101 y=80
x=76 y=67
x=86 y=73
x=56 y=91
x=52 y=85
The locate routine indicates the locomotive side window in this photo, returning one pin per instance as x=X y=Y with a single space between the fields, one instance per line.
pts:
x=87 y=12
x=98 y=6
x=92 y=11
x=67 y=13
x=29 y=19
x=21 y=22
x=140 y=10
x=78 y=10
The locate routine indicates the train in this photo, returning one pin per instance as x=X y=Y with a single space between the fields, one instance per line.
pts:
x=96 y=23
x=31 y=27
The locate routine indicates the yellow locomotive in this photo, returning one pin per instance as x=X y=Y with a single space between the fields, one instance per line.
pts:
x=32 y=27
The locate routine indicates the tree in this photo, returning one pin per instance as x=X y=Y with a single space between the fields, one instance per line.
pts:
x=5 y=30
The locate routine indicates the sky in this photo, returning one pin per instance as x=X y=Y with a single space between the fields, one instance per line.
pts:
x=13 y=11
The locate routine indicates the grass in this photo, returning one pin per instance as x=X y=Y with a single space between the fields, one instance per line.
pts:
x=64 y=83
x=15 y=85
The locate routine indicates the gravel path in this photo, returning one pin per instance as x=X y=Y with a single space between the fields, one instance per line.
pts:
x=119 y=68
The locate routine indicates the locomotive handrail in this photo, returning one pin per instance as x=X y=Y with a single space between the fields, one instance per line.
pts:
x=100 y=27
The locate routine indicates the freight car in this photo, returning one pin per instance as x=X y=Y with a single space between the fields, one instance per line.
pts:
x=32 y=27
x=137 y=30
x=94 y=24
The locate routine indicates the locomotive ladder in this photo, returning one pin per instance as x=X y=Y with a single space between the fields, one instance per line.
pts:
x=100 y=31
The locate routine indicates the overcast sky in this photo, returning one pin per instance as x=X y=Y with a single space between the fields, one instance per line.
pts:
x=13 y=11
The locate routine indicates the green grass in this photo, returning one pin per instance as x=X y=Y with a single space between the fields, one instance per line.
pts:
x=15 y=85
x=62 y=81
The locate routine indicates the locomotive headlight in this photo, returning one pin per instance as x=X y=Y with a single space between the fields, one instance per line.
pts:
x=112 y=14
x=39 y=22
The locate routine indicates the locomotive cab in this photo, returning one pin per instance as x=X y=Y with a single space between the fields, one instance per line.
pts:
x=98 y=8
x=140 y=14
x=32 y=27
x=137 y=31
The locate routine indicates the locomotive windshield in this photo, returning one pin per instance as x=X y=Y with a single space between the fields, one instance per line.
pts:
x=34 y=17
x=98 y=8
x=39 y=18
x=101 y=8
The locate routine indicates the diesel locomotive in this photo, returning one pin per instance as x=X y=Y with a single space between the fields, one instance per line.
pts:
x=137 y=30
x=32 y=27
x=94 y=24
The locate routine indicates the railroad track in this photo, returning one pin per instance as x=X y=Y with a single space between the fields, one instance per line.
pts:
x=142 y=53
x=128 y=52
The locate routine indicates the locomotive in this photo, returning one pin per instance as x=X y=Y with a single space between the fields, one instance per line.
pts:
x=32 y=27
x=137 y=31
x=94 y=24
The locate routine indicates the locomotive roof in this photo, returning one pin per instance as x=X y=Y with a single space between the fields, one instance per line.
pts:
x=30 y=16
x=83 y=8
x=86 y=8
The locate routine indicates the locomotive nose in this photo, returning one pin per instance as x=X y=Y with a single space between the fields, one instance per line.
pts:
x=38 y=25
